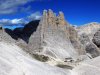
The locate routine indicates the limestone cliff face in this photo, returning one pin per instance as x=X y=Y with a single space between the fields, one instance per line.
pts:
x=55 y=37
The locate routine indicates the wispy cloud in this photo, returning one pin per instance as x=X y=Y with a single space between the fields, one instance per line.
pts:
x=12 y=22
x=12 y=6
x=20 y=21
x=8 y=7
x=35 y=16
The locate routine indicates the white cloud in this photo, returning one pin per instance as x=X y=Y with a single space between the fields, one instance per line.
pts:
x=12 y=6
x=5 y=21
x=34 y=16
x=16 y=6
x=12 y=22
x=20 y=21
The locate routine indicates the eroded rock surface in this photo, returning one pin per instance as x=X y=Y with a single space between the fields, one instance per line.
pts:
x=88 y=36
x=89 y=46
x=14 y=61
x=55 y=37
x=96 y=38
x=89 y=29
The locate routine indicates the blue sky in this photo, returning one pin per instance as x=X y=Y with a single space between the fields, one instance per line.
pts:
x=20 y=12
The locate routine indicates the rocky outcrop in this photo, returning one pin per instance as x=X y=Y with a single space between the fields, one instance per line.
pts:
x=86 y=34
x=75 y=41
x=96 y=38
x=89 y=46
x=55 y=37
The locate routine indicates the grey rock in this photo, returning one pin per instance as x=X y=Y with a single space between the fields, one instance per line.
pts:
x=55 y=37
x=76 y=41
x=4 y=36
x=89 y=29
x=87 y=34
x=96 y=38
x=89 y=46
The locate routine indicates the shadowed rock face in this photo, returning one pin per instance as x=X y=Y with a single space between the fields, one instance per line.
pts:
x=96 y=38
x=88 y=35
x=5 y=35
x=29 y=29
x=16 y=33
x=23 y=33
x=90 y=47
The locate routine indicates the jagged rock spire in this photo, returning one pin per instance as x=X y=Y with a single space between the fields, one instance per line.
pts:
x=45 y=16
x=52 y=19
x=61 y=18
